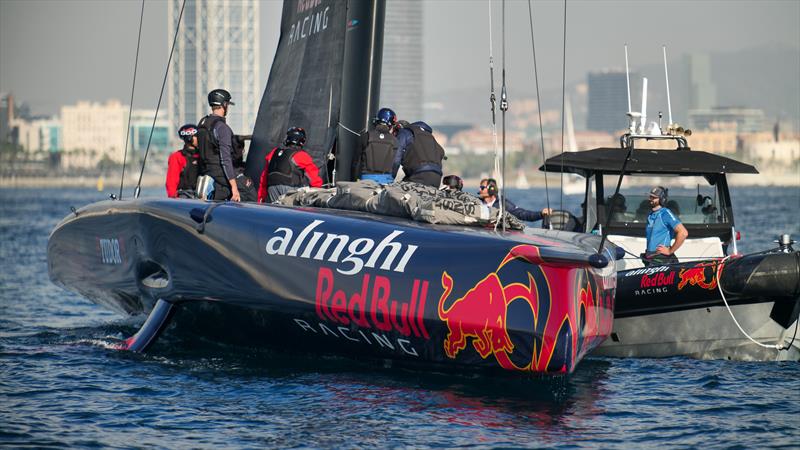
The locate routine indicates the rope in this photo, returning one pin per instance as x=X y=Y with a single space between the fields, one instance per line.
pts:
x=503 y=109
x=719 y=286
x=351 y=131
x=138 y=189
x=538 y=104
x=130 y=109
x=563 y=95
x=492 y=97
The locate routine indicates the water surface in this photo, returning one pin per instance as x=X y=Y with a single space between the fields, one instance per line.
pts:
x=62 y=385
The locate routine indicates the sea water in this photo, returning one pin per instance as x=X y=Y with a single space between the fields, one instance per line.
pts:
x=62 y=383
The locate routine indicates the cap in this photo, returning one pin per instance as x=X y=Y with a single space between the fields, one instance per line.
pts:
x=657 y=191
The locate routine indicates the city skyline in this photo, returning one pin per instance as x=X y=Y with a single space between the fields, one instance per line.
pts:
x=47 y=72
x=216 y=42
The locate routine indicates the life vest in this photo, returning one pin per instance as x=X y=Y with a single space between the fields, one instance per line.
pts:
x=191 y=170
x=378 y=154
x=282 y=170
x=207 y=143
x=424 y=153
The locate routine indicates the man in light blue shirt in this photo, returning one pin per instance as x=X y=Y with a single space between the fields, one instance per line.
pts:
x=662 y=227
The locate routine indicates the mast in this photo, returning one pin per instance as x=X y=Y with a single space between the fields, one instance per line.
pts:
x=360 y=82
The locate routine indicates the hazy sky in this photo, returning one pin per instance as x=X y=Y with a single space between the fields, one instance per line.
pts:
x=54 y=52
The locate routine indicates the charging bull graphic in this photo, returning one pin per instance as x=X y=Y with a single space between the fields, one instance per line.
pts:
x=696 y=276
x=568 y=319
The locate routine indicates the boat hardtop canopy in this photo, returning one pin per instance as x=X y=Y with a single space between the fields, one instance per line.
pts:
x=677 y=162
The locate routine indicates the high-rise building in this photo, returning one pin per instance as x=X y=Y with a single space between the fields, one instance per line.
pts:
x=702 y=91
x=6 y=117
x=217 y=48
x=608 y=100
x=401 y=76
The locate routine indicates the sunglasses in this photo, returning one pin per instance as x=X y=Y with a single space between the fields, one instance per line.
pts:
x=483 y=186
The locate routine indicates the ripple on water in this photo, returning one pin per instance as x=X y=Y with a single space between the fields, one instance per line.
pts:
x=63 y=385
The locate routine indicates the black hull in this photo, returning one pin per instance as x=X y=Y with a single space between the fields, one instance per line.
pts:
x=749 y=279
x=344 y=282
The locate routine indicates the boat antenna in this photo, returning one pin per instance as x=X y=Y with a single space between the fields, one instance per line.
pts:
x=628 y=77
x=130 y=108
x=643 y=130
x=492 y=97
x=666 y=77
x=503 y=109
x=563 y=95
x=538 y=104
x=138 y=189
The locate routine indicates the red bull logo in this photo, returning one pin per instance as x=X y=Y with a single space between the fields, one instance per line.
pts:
x=564 y=312
x=480 y=314
x=696 y=276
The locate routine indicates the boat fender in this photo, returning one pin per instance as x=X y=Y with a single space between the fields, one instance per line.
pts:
x=597 y=260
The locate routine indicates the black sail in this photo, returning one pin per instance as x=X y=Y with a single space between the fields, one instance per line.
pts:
x=304 y=85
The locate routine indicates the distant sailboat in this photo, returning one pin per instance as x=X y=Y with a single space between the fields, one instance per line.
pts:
x=100 y=183
x=522 y=180
x=572 y=184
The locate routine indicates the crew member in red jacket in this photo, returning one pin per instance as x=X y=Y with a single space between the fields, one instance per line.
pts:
x=288 y=167
x=183 y=166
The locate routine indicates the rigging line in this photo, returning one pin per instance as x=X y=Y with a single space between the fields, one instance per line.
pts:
x=492 y=97
x=351 y=131
x=563 y=95
x=138 y=189
x=503 y=109
x=130 y=109
x=538 y=104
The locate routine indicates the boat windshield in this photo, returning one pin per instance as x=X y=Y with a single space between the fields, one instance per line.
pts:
x=692 y=199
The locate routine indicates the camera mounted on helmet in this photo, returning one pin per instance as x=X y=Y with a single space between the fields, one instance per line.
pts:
x=187 y=132
x=295 y=136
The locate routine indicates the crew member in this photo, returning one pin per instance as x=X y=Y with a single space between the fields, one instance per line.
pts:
x=183 y=165
x=287 y=167
x=452 y=183
x=378 y=147
x=662 y=227
x=419 y=154
x=215 y=139
x=488 y=194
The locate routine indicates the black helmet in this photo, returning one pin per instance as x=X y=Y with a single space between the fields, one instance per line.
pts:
x=187 y=132
x=295 y=136
x=386 y=116
x=219 y=97
x=452 y=183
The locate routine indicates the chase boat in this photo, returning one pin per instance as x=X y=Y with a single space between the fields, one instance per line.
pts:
x=715 y=303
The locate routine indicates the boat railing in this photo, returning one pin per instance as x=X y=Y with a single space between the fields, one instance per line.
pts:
x=627 y=140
